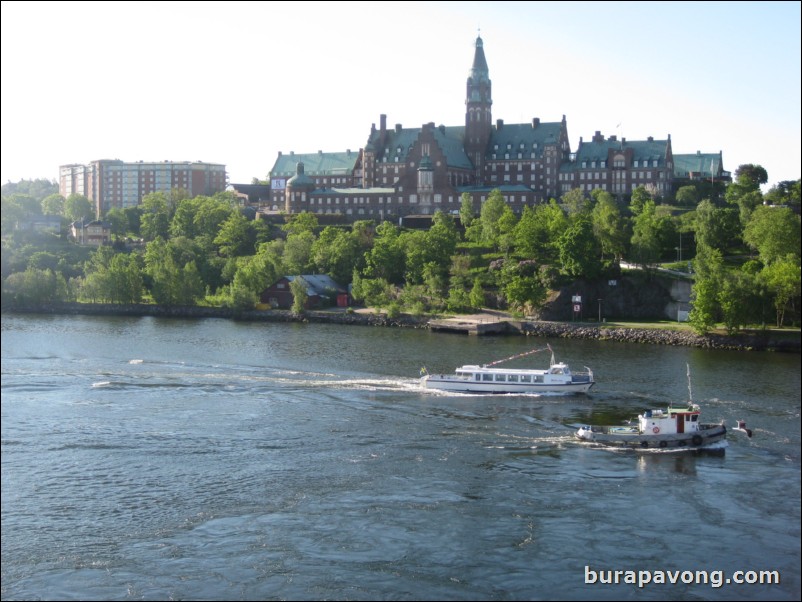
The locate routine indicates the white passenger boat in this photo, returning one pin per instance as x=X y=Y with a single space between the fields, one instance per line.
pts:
x=558 y=378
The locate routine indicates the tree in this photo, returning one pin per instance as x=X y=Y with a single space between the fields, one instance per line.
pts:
x=298 y=252
x=646 y=236
x=687 y=196
x=774 y=232
x=745 y=191
x=466 y=213
x=336 y=252
x=783 y=279
x=708 y=266
x=608 y=225
x=155 y=220
x=579 y=252
x=575 y=202
x=492 y=210
x=387 y=258
x=537 y=232
x=299 y=295
x=35 y=287
x=477 y=296
x=235 y=237
x=53 y=204
x=716 y=228
x=784 y=193
x=640 y=196
x=118 y=221
x=77 y=207
x=301 y=222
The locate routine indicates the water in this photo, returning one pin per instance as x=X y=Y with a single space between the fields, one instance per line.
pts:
x=147 y=458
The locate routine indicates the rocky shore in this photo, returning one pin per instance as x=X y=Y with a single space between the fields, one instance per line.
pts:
x=751 y=341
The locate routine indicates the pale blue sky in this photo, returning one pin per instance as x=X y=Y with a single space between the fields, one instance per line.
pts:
x=237 y=82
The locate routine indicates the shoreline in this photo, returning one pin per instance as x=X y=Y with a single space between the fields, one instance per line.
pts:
x=748 y=341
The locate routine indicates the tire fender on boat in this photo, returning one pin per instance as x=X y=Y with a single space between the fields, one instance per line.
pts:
x=663 y=443
x=656 y=430
x=696 y=440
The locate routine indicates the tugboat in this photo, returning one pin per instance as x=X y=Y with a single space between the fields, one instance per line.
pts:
x=669 y=428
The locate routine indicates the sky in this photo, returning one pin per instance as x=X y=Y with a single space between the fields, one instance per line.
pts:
x=238 y=82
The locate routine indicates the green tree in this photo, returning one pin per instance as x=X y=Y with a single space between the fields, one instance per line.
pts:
x=783 y=277
x=298 y=287
x=774 y=232
x=53 y=204
x=646 y=236
x=708 y=266
x=77 y=207
x=300 y=223
x=609 y=226
x=336 y=252
x=490 y=214
x=477 y=296
x=118 y=221
x=466 y=213
x=716 y=228
x=687 y=196
x=155 y=217
x=235 y=237
x=35 y=287
x=298 y=252
x=539 y=229
x=576 y=202
x=387 y=258
x=784 y=193
x=579 y=253
x=640 y=196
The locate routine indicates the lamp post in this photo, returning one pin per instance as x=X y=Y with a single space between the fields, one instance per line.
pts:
x=600 y=302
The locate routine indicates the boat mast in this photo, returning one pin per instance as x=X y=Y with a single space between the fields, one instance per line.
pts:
x=524 y=354
x=690 y=393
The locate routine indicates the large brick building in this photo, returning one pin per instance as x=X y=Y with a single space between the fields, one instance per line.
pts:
x=405 y=171
x=114 y=183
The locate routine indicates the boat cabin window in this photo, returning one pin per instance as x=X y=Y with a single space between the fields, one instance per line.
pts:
x=487 y=377
x=539 y=378
x=525 y=378
x=513 y=378
x=694 y=417
x=500 y=378
x=477 y=377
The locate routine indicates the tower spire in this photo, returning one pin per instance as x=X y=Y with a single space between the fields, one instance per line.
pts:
x=478 y=114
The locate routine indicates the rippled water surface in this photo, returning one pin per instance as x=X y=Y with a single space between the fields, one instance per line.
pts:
x=147 y=458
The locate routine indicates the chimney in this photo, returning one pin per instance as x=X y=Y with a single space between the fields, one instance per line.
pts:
x=382 y=122
x=397 y=128
x=650 y=139
x=499 y=124
x=535 y=122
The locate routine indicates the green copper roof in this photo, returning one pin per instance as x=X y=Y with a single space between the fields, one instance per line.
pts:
x=300 y=179
x=514 y=135
x=399 y=142
x=597 y=150
x=316 y=164
x=479 y=70
x=704 y=164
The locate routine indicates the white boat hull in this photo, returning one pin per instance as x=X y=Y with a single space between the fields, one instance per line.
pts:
x=449 y=383
x=619 y=437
